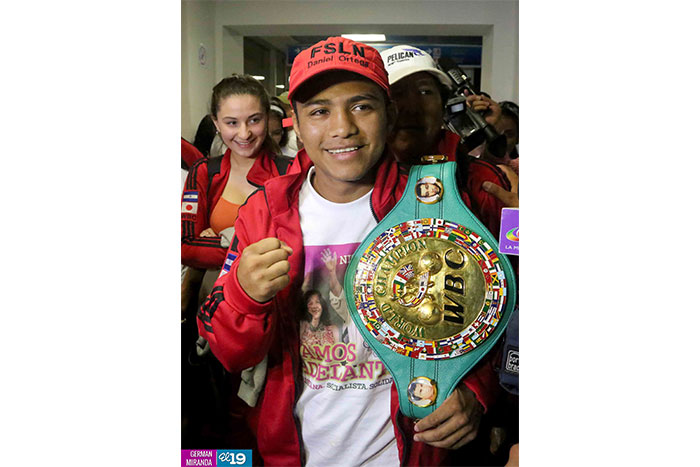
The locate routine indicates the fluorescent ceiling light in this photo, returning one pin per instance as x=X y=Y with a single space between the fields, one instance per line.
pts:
x=279 y=86
x=258 y=77
x=366 y=37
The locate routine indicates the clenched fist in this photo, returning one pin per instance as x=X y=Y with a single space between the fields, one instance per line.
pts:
x=263 y=268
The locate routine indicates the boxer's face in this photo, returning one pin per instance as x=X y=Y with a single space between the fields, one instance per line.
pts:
x=423 y=391
x=343 y=126
x=428 y=189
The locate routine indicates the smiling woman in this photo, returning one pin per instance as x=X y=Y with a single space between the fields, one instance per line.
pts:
x=213 y=192
x=316 y=327
x=215 y=188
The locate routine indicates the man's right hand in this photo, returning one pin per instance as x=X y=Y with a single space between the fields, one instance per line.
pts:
x=263 y=268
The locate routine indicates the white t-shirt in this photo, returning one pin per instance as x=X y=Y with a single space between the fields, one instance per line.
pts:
x=290 y=149
x=345 y=404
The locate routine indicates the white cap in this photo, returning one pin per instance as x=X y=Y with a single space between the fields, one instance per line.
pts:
x=277 y=109
x=404 y=60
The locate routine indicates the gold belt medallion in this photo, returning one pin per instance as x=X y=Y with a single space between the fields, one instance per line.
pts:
x=430 y=288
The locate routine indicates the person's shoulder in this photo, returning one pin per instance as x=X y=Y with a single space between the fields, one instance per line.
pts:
x=266 y=167
x=475 y=168
x=510 y=173
x=197 y=174
x=200 y=165
x=200 y=161
x=189 y=153
x=475 y=164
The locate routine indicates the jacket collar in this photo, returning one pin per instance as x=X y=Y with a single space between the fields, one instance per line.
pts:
x=263 y=168
x=283 y=192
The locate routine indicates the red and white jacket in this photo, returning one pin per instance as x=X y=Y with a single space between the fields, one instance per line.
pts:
x=207 y=252
x=241 y=331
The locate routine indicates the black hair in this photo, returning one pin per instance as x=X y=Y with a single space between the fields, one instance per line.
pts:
x=206 y=131
x=412 y=392
x=510 y=109
x=306 y=316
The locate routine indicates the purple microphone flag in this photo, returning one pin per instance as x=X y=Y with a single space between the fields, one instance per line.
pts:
x=509 y=242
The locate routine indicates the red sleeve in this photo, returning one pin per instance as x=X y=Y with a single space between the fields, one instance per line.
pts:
x=485 y=206
x=239 y=329
x=189 y=153
x=196 y=251
x=483 y=381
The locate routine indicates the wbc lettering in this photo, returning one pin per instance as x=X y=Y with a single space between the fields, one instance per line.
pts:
x=454 y=311
x=429 y=303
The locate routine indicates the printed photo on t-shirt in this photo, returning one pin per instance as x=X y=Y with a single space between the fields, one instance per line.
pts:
x=333 y=352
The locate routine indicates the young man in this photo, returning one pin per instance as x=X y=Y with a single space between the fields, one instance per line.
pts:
x=327 y=398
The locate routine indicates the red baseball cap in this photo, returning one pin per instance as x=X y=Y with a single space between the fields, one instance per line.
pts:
x=337 y=53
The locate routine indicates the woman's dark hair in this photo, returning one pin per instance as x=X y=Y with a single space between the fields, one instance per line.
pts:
x=306 y=316
x=241 y=85
x=206 y=131
x=276 y=104
x=510 y=109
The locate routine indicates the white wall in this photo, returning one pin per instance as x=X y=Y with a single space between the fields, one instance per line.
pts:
x=229 y=21
x=198 y=27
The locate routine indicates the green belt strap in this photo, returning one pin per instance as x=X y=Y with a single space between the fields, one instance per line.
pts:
x=429 y=291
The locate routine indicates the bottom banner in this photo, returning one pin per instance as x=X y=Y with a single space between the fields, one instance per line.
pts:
x=217 y=457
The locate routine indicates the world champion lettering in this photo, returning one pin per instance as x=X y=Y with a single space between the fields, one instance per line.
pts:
x=418 y=286
x=393 y=259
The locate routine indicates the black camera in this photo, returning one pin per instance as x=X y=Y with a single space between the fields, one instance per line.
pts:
x=461 y=119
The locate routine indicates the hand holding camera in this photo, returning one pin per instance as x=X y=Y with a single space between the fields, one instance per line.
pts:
x=468 y=123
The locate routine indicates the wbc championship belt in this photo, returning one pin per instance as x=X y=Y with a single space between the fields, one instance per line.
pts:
x=428 y=289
